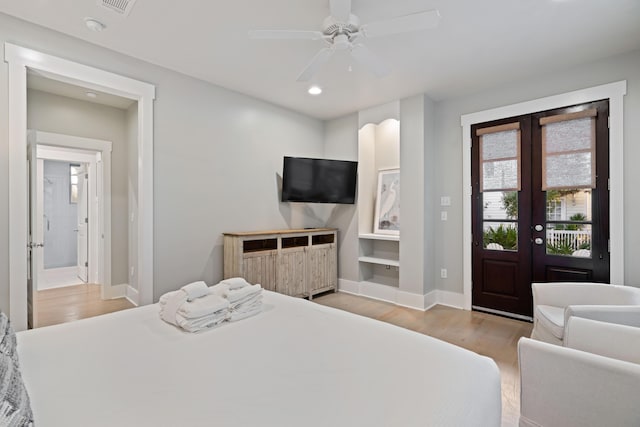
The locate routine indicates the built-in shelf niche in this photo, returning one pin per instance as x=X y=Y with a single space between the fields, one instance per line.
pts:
x=379 y=254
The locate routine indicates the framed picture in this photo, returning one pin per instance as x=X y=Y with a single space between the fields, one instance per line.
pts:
x=387 y=214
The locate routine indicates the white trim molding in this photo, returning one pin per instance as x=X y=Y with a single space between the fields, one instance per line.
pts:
x=20 y=59
x=615 y=93
x=399 y=297
x=132 y=295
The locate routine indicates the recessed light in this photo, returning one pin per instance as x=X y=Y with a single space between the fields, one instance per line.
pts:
x=315 y=90
x=91 y=94
x=94 y=25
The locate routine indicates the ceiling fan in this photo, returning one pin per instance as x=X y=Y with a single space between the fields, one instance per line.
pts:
x=342 y=31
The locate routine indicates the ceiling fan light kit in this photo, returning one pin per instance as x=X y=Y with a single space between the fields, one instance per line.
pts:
x=342 y=31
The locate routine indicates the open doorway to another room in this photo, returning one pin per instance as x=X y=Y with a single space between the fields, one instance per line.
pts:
x=65 y=217
x=81 y=202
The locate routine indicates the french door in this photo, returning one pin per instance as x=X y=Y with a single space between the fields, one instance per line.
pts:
x=540 y=204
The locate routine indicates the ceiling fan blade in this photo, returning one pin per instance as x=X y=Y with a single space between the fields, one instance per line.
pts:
x=369 y=60
x=314 y=66
x=286 y=34
x=340 y=9
x=403 y=24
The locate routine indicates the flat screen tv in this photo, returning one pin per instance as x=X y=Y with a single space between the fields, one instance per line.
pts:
x=318 y=180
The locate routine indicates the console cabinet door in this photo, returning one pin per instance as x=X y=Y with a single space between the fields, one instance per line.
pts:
x=321 y=267
x=291 y=272
x=260 y=267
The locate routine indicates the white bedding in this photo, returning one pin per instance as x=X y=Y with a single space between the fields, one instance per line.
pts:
x=295 y=364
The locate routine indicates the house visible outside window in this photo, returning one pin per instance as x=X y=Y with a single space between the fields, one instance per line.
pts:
x=554 y=209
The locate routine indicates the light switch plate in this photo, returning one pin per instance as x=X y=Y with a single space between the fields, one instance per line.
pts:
x=445 y=201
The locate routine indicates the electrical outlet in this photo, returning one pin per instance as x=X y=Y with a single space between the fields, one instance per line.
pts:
x=443 y=273
x=132 y=271
x=445 y=201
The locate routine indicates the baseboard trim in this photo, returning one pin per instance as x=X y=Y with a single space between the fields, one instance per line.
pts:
x=132 y=295
x=115 y=291
x=399 y=297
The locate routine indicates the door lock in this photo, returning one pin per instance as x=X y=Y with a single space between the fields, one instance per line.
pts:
x=538 y=227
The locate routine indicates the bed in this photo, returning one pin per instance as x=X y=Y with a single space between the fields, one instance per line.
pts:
x=295 y=364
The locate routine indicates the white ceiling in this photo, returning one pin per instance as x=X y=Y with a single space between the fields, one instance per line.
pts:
x=478 y=44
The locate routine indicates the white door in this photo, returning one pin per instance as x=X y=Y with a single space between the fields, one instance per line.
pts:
x=35 y=245
x=83 y=222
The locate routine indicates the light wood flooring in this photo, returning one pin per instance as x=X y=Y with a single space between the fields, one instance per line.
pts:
x=61 y=305
x=486 y=334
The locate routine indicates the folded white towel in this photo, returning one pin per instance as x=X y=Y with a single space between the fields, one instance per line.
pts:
x=202 y=323
x=219 y=289
x=239 y=315
x=195 y=290
x=247 y=305
x=204 y=306
x=239 y=294
x=170 y=303
x=236 y=283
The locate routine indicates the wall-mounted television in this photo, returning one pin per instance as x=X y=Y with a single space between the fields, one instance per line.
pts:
x=318 y=180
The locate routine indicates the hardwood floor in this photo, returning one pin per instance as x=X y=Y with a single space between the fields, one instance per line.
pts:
x=61 y=305
x=486 y=334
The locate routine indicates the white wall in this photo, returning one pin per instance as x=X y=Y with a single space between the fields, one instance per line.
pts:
x=341 y=142
x=441 y=170
x=58 y=114
x=217 y=157
x=448 y=152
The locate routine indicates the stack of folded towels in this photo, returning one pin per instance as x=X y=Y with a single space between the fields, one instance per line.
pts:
x=196 y=307
x=245 y=300
x=193 y=307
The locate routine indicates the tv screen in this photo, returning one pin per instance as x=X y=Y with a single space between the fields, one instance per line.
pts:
x=318 y=180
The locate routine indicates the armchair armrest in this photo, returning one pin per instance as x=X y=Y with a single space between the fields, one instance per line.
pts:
x=621 y=314
x=562 y=294
x=566 y=387
x=620 y=342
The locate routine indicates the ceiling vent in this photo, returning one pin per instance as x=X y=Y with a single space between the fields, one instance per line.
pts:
x=123 y=7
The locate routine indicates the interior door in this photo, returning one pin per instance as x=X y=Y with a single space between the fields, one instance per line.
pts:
x=34 y=252
x=83 y=222
x=540 y=204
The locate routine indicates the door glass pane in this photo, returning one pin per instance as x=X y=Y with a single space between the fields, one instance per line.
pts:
x=569 y=239
x=567 y=170
x=568 y=154
x=500 y=160
x=500 y=205
x=569 y=205
x=571 y=234
x=500 y=236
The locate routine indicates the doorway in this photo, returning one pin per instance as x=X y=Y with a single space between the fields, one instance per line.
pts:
x=69 y=216
x=64 y=212
x=540 y=205
x=20 y=60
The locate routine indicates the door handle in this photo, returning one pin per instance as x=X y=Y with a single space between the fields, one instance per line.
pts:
x=538 y=241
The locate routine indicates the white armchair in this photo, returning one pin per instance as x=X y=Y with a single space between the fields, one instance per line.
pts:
x=553 y=303
x=593 y=381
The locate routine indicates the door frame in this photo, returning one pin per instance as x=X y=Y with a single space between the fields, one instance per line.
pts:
x=615 y=93
x=97 y=153
x=53 y=67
